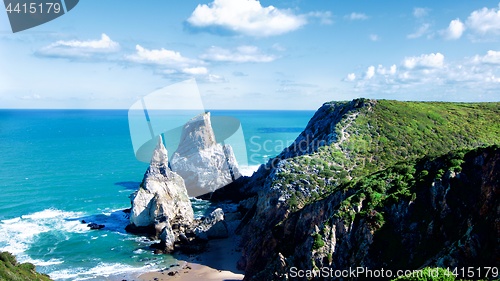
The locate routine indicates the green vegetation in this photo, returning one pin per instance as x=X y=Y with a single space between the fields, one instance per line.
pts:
x=318 y=241
x=388 y=133
x=396 y=183
x=11 y=270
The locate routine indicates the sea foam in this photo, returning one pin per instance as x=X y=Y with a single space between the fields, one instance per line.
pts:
x=17 y=234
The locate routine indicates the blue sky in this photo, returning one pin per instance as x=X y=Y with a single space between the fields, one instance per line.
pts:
x=246 y=54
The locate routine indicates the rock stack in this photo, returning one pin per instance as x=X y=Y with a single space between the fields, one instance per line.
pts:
x=161 y=207
x=204 y=164
x=162 y=202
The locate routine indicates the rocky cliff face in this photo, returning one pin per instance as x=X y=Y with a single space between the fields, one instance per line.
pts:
x=449 y=219
x=161 y=200
x=204 y=164
x=273 y=195
x=305 y=197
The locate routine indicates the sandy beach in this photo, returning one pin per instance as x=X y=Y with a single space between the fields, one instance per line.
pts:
x=217 y=263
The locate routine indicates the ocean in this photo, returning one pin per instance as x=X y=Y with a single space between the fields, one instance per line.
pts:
x=59 y=167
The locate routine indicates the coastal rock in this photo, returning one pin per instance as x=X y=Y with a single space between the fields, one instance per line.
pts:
x=162 y=198
x=273 y=195
x=95 y=226
x=204 y=164
x=167 y=238
x=450 y=221
x=213 y=226
x=343 y=143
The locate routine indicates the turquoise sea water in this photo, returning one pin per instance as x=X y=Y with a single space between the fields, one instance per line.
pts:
x=58 y=167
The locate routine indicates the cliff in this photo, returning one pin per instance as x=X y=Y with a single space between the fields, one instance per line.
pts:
x=441 y=212
x=302 y=213
x=10 y=269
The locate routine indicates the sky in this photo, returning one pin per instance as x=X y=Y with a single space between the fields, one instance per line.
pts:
x=246 y=54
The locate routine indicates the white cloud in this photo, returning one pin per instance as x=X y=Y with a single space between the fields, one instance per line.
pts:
x=424 y=61
x=384 y=71
x=159 y=57
x=76 y=48
x=374 y=37
x=105 y=43
x=241 y=54
x=195 y=70
x=420 y=12
x=351 y=77
x=491 y=57
x=421 y=31
x=212 y=78
x=427 y=77
x=247 y=17
x=370 y=72
x=356 y=16
x=393 y=69
x=168 y=62
x=485 y=21
x=455 y=30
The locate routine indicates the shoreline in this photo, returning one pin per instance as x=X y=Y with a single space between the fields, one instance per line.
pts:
x=218 y=262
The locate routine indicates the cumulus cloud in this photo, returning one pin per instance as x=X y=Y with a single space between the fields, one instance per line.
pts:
x=433 y=60
x=167 y=62
x=491 y=57
x=421 y=31
x=246 y=17
x=455 y=30
x=241 y=54
x=195 y=70
x=80 y=49
x=485 y=21
x=427 y=77
x=370 y=72
x=386 y=71
x=158 y=56
x=350 y=77
x=356 y=16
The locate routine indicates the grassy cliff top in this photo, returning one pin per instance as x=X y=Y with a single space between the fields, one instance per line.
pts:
x=11 y=270
x=364 y=136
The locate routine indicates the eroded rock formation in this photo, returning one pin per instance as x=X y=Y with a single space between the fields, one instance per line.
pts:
x=161 y=200
x=204 y=164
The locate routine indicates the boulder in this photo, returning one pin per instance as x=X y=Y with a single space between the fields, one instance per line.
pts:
x=204 y=164
x=213 y=226
x=95 y=226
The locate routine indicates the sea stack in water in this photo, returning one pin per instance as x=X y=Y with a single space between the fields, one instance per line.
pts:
x=204 y=164
x=161 y=201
